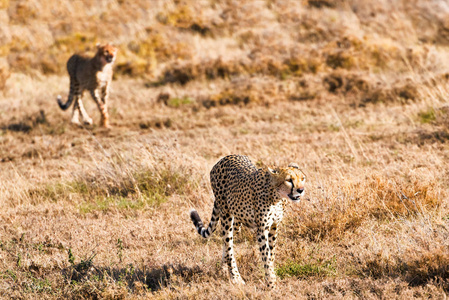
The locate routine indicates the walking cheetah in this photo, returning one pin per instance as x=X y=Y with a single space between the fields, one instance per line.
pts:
x=254 y=197
x=92 y=74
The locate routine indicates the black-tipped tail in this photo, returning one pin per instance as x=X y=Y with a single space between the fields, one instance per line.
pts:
x=203 y=231
x=195 y=217
x=66 y=105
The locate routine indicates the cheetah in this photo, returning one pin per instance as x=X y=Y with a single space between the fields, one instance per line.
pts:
x=93 y=74
x=253 y=197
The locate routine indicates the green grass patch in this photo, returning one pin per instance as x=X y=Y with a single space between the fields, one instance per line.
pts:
x=177 y=102
x=58 y=191
x=8 y=274
x=123 y=203
x=427 y=116
x=37 y=285
x=304 y=270
x=138 y=190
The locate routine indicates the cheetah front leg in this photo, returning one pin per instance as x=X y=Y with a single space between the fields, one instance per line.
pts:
x=105 y=98
x=84 y=116
x=266 y=246
x=102 y=106
x=272 y=235
x=228 y=250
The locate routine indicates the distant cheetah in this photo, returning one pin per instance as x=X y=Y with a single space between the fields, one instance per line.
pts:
x=254 y=197
x=93 y=74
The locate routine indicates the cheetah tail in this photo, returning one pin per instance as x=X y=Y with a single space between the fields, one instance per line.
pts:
x=67 y=104
x=203 y=231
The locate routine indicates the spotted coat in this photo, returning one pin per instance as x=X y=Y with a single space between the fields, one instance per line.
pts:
x=254 y=197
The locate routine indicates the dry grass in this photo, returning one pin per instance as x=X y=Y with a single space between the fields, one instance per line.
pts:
x=354 y=91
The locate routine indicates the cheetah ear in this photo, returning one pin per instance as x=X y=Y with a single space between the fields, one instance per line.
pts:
x=293 y=165
x=98 y=45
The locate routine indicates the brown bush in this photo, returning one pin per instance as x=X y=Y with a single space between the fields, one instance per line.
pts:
x=415 y=267
x=204 y=70
x=376 y=197
x=323 y=3
x=367 y=89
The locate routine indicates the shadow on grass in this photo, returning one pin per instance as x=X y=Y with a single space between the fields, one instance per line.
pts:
x=429 y=137
x=28 y=122
x=150 y=279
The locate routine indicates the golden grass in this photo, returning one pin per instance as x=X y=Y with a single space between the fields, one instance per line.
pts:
x=354 y=91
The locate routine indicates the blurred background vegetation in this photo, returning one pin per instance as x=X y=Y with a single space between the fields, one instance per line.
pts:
x=367 y=50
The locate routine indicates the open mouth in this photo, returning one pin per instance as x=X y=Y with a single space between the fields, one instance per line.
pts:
x=294 y=198
x=109 y=59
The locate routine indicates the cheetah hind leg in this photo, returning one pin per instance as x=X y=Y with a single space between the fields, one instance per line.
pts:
x=75 y=114
x=228 y=257
x=235 y=278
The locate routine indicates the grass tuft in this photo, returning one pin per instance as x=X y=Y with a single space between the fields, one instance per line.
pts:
x=427 y=116
x=377 y=197
x=303 y=271
x=138 y=190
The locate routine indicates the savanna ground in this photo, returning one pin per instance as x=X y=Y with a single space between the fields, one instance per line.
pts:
x=354 y=91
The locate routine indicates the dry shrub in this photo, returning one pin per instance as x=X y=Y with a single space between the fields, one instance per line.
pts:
x=156 y=123
x=377 y=197
x=416 y=267
x=260 y=64
x=405 y=198
x=307 y=88
x=229 y=97
x=442 y=34
x=121 y=184
x=245 y=91
x=237 y=93
x=274 y=60
x=257 y=90
x=323 y=3
x=368 y=89
x=299 y=63
x=345 y=82
x=141 y=57
x=423 y=137
x=211 y=69
x=350 y=52
x=184 y=17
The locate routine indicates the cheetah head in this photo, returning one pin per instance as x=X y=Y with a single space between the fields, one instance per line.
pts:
x=289 y=182
x=107 y=53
